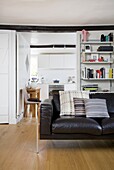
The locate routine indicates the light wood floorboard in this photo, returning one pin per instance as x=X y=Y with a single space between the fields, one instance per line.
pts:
x=18 y=151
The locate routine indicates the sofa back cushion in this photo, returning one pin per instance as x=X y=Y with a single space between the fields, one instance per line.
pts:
x=96 y=108
x=56 y=106
x=66 y=101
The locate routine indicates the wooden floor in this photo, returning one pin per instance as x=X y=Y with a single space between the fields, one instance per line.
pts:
x=18 y=151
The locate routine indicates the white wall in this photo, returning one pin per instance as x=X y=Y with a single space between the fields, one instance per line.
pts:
x=23 y=71
x=62 y=75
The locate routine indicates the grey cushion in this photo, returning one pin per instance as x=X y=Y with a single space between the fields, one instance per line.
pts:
x=96 y=108
x=109 y=99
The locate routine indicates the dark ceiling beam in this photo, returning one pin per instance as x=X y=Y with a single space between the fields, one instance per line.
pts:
x=29 y=28
x=54 y=46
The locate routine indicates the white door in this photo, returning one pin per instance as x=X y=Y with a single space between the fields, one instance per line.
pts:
x=23 y=71
x=4 y=77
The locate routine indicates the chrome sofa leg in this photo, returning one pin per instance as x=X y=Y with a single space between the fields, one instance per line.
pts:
x=37 y=137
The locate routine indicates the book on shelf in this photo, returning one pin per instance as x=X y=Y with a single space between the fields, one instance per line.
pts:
x=99 y=73
x=110 y=73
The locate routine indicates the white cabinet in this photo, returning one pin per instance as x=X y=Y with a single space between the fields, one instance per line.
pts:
x=62 y=61
x=43 y=61
x=4 y=98
x=4 y=78
x=44 y=91
x=69 y=61
x=56 y=38
x=56 y=61
x=68 y=87
x=4 y=53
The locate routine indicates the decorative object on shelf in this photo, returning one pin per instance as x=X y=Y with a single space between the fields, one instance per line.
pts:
x=110 y=36
x=101 y=59
x=102 y=37
x=71 y=79
x=85 y=35
x=87 y=48
x=94 y=57
x=56 y=81
x=34 y=85
x=105 y=48
x=107 y=38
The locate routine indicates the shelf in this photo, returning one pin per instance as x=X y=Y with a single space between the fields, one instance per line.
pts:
x=102 y=62
x=97 y=79
x=97 y=42
x=57 y=68
x=98 y=52
x=102 y=92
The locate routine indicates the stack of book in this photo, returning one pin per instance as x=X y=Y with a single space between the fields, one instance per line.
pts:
x=90 y=87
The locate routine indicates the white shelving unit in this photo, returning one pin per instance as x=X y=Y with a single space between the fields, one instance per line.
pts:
x=96 y=67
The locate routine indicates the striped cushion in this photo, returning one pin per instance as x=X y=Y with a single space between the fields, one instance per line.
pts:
x=79 y=106
x=96 y=108
x=66 y=101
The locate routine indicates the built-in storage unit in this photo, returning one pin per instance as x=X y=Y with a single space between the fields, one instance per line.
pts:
x=44 y=91
x=57 y=61
x=43 y=61
x=96 y=59
x=7 y=77
x=55 y=88
x=70 y=86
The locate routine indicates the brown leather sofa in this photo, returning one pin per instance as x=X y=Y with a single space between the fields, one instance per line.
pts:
x=52 y=126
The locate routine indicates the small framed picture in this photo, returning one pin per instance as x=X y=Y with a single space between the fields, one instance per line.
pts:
x=94 y=57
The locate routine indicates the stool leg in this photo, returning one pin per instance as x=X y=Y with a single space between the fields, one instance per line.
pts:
x=36 y=108
x=25 y=110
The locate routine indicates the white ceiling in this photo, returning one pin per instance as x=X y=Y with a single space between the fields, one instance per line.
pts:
x=57 y=12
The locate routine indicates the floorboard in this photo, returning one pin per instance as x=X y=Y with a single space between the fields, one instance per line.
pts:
x=18 y=151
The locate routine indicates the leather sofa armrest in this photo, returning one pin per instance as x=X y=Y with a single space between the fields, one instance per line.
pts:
x=46 y=114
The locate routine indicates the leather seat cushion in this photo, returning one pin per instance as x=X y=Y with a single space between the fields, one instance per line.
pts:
x=108 y=125
x=71 y=124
